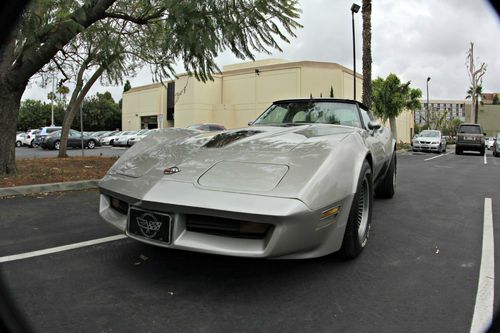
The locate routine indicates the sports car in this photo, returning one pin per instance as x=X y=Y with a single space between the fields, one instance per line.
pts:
x=297 y=183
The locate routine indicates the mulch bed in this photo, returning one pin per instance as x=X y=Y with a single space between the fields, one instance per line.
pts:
x=54 y=170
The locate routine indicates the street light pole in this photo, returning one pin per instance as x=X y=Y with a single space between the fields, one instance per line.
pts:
x=354 y=9
x=52 y=101
x=428 y=108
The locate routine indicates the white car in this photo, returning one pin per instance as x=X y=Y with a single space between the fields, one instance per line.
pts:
x=110 y=139
x=138 y=137
x=29 y=138
x=122 y=140
x=490 y=142
x=20 y=139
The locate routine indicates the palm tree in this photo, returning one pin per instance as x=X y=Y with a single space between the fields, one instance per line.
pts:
x=367 y=52
x=476 y=94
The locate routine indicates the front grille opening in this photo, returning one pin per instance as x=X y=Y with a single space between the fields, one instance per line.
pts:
x=227 y=227
x=119 y=205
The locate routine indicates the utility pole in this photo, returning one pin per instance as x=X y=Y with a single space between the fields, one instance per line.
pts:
x=52 y=100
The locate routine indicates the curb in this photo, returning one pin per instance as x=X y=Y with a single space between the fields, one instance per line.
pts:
x=53 y=187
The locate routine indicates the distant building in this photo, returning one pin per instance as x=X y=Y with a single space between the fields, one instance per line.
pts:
x=490 y=98
x=452 y=108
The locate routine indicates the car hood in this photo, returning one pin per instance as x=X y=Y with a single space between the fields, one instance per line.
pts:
x=248 y=160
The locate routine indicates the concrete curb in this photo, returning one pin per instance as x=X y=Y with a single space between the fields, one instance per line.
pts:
x=53 y=187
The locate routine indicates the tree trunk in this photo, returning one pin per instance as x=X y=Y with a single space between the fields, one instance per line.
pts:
x=476 y=113
x=73 y=108
x=9 y=106
x=394 y=130
x=367 y=52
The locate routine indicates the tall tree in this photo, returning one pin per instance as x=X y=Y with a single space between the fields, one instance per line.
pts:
x=367 y=52
x=191 y=31
x=391 y=97
x=475 y=77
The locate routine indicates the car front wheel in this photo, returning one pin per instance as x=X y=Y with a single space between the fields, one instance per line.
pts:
x=358 y=224
x=57 y=145
x=19 y=143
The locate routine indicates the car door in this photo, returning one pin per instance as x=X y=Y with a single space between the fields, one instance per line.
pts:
x=74 y=139
x=377 y=142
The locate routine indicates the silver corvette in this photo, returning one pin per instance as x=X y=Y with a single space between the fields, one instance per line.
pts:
x=298 y=183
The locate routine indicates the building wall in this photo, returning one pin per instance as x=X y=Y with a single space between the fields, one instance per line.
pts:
x=143 y=101
x=489 y=118
x=244 y=91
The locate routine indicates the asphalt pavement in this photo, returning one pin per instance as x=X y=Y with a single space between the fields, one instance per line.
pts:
x=418 y=273
x=106 y=151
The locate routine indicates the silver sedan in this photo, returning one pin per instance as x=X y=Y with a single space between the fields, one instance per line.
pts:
x=429 y=140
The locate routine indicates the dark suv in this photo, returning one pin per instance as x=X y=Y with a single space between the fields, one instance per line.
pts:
x=470 y=137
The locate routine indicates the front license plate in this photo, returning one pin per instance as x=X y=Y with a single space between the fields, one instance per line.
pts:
x=149 y=225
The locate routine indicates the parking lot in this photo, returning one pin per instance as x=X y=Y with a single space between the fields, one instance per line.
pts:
x=419 y=272
x=106 y=151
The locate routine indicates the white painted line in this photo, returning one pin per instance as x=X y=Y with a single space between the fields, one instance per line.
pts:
x=483 y=310
x=485 y=161
x=60 y=248
x=431 y=158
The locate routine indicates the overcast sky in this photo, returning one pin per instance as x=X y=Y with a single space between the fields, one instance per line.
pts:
x=413 y=39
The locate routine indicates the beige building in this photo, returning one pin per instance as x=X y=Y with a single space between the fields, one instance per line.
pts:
x=238 y=95
x=488 y=116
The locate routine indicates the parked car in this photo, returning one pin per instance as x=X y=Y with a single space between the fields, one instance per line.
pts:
x=29 y=138
x=490 y=142
x=53 y=140
x=138 y=137
x=207 y=127
x=109 y=139
x=470 y=137
x=122 y=140
x=44 y=131
x=20 y=139
x=429 y=140
x=496 y=146
x=298 y=183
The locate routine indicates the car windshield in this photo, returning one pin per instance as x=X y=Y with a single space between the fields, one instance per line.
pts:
x=470 y=129
x=310 y=112
x=430 y=134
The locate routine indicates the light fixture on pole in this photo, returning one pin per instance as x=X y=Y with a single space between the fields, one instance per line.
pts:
x=354 y=9
x=428 y=107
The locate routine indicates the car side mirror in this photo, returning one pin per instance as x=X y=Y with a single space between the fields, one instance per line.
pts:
x=374 y=125
x=250 y=123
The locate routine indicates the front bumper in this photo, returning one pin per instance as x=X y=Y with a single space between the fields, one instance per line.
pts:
x=425 y=146
x=296 y=231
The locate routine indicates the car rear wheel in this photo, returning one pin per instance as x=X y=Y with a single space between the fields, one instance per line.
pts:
x=387 y=188
x=358 y=224
x=19 y=143
x=482 y=151
x=91 y=144
x=458 y=151
x=57 y=145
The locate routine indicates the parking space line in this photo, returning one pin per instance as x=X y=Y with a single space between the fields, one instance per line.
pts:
x=485 y=160
x=483 y=309
x=60 y=248
x=431 y=158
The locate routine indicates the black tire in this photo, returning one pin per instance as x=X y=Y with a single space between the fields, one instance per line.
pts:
x=32 y=144
x=482 y=152
x=358 y=224
x=387 y=188
x=112 y=143
x=458 y=151
x=19 y=143
x=57 y=145
x=91 y=144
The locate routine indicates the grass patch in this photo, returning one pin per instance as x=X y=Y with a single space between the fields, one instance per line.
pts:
x=54 y=170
